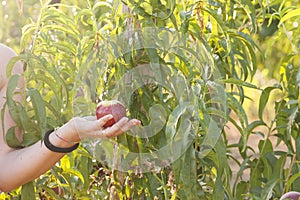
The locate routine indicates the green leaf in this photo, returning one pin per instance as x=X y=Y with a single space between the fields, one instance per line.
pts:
x=291 y=121
x=292 y=180
x=268 y=189
x=74 y=172
x=239 y=82
x=30 y=138
x=188 y=175
x=39 y=108
x=11 y=138
x=239 y=110
x=28 y=125
x=102 y=4
x=297 y=141
x=10 y=92
x=249 y=128
x=289 y=15
x=241 y=188
x=2 y=120
x=251 y=14
x=265 y=146
x=173 y=120
x=27 y=192
x=279 y=168
x=264 y=99
x=85 y=165
x=267 y=170
x=218 y=19
x=115 y=7
x=250 y=44
x=218 y=189
x=281 y=117
x=11 y=64
x=211 y=138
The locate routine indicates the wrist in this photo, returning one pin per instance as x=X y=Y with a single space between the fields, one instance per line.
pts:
x=64 y=136
x=58 y=134
x=54 y=148
x=58 y=142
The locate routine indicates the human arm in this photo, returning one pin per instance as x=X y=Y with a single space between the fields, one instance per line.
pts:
x=19 y=166
x=23 y=165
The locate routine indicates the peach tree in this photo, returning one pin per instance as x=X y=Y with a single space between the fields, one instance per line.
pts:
x=182 y=67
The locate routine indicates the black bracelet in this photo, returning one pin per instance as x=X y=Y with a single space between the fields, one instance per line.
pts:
x=53 y=148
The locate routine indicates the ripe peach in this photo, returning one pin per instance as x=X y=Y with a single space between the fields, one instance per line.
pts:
x=291 y=196
x=113 y=107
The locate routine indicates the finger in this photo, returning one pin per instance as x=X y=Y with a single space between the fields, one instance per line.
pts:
x=102 y=121
x=117 y=127
x=121 y=126
x=91 y=125
x=129 y=125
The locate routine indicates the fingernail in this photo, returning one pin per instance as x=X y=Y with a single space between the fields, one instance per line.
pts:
x=137 y=122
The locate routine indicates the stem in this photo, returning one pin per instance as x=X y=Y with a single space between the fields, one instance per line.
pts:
x=268 y=136
x=164 y=185
x=289 y=172
x=162 y=182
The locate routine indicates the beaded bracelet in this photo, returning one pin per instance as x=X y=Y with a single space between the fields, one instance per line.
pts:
x=53 y=148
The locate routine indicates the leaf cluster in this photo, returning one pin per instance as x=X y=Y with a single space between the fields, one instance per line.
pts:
x=182 y=68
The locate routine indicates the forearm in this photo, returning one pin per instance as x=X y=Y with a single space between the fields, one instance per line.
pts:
x=34 y=161
x=18 y=167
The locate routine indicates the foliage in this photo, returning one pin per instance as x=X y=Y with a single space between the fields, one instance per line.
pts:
x=78 y=53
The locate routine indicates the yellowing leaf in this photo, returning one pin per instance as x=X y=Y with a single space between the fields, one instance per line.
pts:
x=290 y=15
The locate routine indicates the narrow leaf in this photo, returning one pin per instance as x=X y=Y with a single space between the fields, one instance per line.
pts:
x=289 y=15
x=264 y=99
x=12 y=139
x=39 y=108
x=268 y=189
x=239 y=82
x=27 y=192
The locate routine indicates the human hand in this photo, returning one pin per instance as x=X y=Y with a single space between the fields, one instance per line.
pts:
x=91 y=127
